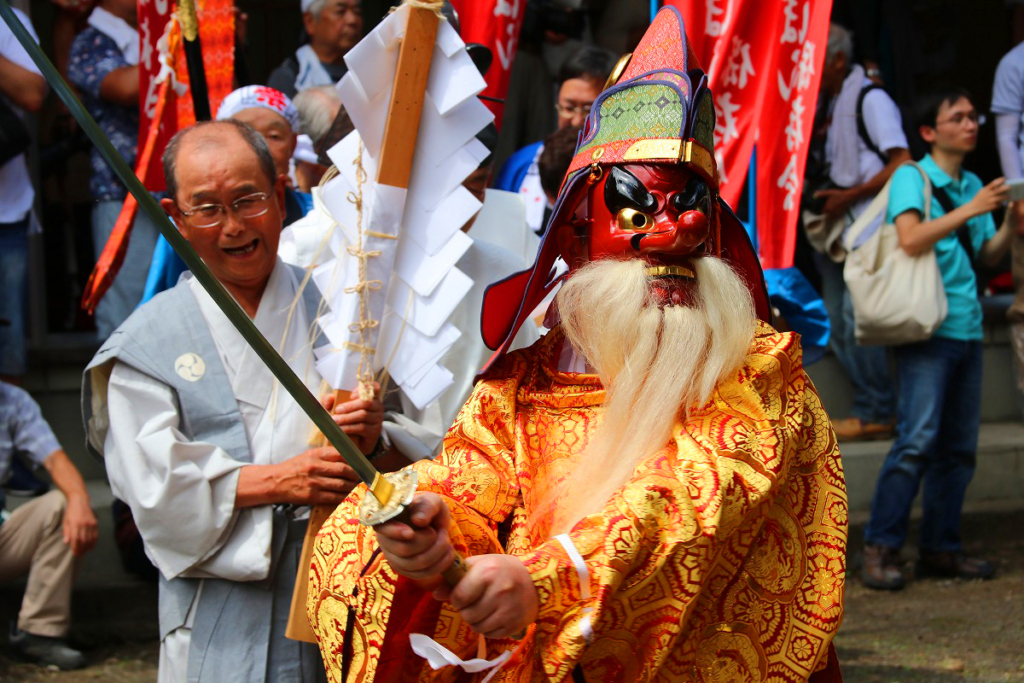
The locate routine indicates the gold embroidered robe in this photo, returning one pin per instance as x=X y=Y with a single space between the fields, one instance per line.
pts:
x=722 y=559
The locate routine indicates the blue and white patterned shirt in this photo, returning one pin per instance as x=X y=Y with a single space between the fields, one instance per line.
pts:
x=93 y=56
x=23 y=430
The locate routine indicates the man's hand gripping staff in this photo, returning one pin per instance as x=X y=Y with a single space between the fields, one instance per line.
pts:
x=494 y=594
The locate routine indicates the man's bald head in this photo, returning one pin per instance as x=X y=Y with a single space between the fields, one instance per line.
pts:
x=216 y=133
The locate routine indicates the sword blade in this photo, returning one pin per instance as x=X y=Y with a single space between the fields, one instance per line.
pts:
x=379 y=487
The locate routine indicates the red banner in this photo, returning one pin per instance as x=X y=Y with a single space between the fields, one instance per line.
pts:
x=763 y=61
x=495 y=24
x=153 y=18
x=216 y=31
x=786 y=122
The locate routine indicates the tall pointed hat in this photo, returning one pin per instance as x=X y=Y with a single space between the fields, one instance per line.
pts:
x=656 y=109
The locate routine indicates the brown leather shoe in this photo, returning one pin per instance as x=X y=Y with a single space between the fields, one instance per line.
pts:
x=855 y=429
x=954 y=566
x=882 y=568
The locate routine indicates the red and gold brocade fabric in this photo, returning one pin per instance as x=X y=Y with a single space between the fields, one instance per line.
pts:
x=722 y=559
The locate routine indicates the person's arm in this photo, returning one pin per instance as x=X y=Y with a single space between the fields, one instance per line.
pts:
x=32 y=435
x=318 y=476
x=917 y=236
x=80 y=527
x=994 y=248
x=837 y=201
x=97 y=67
x=1007 y=133
x=25 y=88
x=121 y=86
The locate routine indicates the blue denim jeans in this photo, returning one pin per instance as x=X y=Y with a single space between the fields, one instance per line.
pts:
x=937 y=423
x=13 y=296
x=866 y=366
x=125 y=292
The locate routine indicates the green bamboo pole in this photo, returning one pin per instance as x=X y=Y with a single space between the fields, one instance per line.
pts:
x=288 y=379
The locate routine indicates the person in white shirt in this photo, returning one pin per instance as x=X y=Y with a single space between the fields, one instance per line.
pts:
x=865 y=145
x=22 y=89
x=333 y=27
x=210 y=453
x=1008 y=107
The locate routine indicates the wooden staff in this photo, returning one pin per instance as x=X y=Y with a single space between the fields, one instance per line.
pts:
x=395 y=167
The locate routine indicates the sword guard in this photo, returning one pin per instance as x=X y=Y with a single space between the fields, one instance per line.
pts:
x=372 y=512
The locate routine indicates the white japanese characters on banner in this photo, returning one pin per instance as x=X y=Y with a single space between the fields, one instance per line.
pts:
x=763 y=62
x=789 y=110
x=731 y=42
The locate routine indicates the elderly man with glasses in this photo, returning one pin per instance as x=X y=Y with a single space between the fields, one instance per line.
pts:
x=210 y=454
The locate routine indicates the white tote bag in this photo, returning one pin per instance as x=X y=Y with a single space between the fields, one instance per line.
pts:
x=897 y=298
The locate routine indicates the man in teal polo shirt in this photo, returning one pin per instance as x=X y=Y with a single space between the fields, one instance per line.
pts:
x=939 y=407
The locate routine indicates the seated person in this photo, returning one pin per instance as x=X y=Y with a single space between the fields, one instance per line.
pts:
x=333 y=27
x=43 y=537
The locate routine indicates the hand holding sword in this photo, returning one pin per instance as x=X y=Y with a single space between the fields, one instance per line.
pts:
x=496 y=597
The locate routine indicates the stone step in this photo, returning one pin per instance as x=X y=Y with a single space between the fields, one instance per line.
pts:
x=1000 y=400
x=999 y=474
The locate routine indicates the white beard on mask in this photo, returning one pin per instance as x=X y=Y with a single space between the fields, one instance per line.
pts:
x=656 y=364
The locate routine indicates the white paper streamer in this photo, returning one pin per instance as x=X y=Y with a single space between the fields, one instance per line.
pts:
x=586 y=629
x=439 y=657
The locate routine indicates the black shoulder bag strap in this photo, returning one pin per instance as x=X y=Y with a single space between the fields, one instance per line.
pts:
x=862 y=129
x=963 y=233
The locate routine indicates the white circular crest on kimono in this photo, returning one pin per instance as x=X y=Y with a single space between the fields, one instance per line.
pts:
x=190 y=367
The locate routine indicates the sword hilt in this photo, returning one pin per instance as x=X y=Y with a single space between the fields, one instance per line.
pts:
x=396 y=508
x=456 y=570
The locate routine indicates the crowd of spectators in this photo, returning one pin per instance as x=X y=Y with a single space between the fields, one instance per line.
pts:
x=932 y=407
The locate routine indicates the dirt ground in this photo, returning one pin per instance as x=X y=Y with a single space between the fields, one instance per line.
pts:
x=932 y=632
x=943 y=631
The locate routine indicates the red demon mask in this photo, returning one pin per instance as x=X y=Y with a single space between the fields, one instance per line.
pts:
x=643 y=183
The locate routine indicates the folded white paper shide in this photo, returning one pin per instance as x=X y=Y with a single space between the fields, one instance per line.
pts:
x=411 y=237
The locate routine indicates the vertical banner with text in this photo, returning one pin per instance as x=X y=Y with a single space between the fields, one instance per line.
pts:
x=154 y=16
x=787 y=119
x=746 y=48
x=496 y=25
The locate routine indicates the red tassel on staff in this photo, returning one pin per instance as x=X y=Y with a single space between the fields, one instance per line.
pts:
x=109 y=262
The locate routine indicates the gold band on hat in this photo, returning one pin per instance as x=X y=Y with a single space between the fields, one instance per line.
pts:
x=688 y=152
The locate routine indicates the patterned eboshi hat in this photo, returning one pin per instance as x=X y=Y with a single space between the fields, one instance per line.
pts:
x=656 y=108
